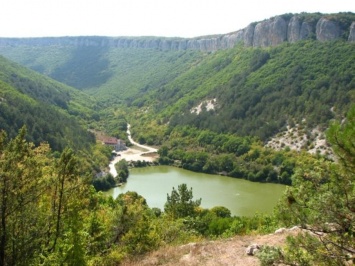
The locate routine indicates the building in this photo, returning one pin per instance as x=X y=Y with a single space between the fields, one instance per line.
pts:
x=116 y=144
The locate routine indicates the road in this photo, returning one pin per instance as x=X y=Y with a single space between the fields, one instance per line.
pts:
x=133 y=154
x=149 y=149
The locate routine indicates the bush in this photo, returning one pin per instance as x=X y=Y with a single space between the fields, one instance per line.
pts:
x=269 y=255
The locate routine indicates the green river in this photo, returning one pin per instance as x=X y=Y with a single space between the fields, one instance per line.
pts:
x=241 y=197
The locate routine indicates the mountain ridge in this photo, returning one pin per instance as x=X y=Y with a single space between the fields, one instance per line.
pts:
x=270 y=32
x=258 y=91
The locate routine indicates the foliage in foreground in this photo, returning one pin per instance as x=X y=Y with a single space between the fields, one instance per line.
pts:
x=322 y=201
x=51 y=215
x=41 y=202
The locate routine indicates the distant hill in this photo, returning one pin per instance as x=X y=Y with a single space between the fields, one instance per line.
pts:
x=269 y=32
x=286 y=70
x=51 y=111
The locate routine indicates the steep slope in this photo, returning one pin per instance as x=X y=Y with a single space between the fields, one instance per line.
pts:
x=286 y=70
x=261 y=91
x=51 y=111
x=110 y=74
x=122 y=67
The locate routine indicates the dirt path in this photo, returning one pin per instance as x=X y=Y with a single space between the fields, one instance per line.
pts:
x=226 y=252
x=141 y=153
x=147 y=148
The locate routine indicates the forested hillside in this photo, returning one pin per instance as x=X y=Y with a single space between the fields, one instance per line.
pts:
x=193 y=102
x=52 y=112
x=206 y=111
x=252 y=91
x=52 y=216
x=112 y=75
x=260 y=91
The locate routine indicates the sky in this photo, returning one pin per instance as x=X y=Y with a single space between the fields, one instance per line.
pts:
x=179 y=18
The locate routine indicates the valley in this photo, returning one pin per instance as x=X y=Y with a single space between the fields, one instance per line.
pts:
x=254 y=130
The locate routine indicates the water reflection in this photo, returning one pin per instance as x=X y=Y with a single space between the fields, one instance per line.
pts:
x=240 y=196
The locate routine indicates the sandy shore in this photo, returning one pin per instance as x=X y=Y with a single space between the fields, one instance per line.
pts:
x=138 y=152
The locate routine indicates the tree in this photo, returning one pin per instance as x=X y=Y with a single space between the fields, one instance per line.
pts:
x=322 y=201
x=122 y=170
x=21 y=171
x=180 y=204
x=221 y=211
x=163 y=151
x=65 y=202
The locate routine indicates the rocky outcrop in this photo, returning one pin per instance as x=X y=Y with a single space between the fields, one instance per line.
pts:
x=294 y=29
x=352 y=32
x=252 y=249
x=327 y=30
x=298 y=30
x=271 y=32
x=248 y=36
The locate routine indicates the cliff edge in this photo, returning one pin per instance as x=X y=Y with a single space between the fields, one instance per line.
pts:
x=270 y=32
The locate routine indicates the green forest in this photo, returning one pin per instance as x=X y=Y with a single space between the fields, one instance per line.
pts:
x=205 y=111
x=51 y=214
x=259 y=91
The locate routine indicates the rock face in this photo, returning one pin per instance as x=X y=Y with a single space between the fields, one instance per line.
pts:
x=248 y=36
x=271 y=32
x=294 y=29
x=298 y=30
x=352 y=32
x=327 y=30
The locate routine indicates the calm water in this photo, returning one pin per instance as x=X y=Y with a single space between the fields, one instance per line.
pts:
x=240 y=196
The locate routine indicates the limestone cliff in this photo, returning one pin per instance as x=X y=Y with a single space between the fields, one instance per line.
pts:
x=327 y=30
x=298 y=30
x=270 y=32
x=352 y=32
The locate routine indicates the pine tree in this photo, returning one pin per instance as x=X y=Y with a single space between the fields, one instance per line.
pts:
x=180 y=204
x=322 y=201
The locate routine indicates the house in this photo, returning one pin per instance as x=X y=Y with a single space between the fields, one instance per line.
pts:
x=121 y=145
x=117 y=144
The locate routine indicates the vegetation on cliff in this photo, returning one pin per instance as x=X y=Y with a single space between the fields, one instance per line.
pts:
x=208 y=112
x=51 y=214
x=259 y=91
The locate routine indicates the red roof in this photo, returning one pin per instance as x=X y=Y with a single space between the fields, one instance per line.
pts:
x=110 y=141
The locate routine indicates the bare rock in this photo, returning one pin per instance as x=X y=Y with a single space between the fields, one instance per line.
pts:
x=327 y=30
x=306 y=31
x=294 y=229
x=230 y=40
x=253 y=249
x=249 y=35
x=352 y=32
x=281 y=231
x=294 y=29
x=270 y=32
